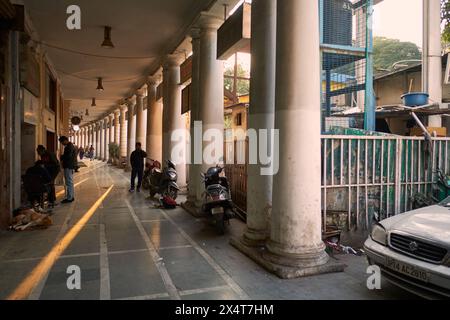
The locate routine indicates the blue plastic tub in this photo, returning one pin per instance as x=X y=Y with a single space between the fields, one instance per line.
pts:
x=415 y=99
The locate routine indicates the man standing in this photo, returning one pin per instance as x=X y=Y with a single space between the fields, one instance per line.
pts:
x=91 y=152
x=137 y=166
x=53 y=167
x=68 y=165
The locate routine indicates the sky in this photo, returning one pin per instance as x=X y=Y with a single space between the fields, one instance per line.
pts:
x=399 y=19
x=396 y=19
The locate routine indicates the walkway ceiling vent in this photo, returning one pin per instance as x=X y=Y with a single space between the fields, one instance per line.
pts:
x=107 y=43
x=100 y=84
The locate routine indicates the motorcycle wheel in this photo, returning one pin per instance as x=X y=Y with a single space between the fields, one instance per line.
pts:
x=220 y=224
x=145 y=183
x=171 y=192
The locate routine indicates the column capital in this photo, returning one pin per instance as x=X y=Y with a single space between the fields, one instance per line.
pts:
x=131 y=101
x=194 y=33
x=209 y=21
x=173 y=60
x=123 y=107
x=153 y=81
x=117 y=112
x=141 y=92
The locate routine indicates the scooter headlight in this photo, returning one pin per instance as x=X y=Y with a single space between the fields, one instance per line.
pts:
x=379 y=234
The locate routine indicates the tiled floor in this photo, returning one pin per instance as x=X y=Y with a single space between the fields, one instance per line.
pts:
x=129 y=249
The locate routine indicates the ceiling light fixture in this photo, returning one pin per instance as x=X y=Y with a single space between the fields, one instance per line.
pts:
x=107 y=43
x=93 y=103
x=87 y=113
x=100 y=84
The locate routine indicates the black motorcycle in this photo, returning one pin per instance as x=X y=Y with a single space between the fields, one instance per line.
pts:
x=164 y=182
x=218 y=204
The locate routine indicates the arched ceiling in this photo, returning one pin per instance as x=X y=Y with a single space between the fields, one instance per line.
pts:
x=140 y=28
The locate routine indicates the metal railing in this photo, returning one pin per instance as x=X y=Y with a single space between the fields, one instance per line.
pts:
x=367 y=175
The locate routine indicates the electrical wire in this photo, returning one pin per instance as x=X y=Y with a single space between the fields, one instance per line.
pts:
x=87 y=54
x=96 y=79
x=93 y=54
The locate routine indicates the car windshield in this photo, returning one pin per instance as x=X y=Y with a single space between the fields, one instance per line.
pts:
x=445 y=202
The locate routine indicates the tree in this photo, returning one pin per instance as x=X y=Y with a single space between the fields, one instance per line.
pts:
x=445 y=17
x=243 y=86
x=387 y=51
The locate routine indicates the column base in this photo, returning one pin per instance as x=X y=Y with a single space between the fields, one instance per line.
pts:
x=192 y=209
x=254 y=238
x=259 y=255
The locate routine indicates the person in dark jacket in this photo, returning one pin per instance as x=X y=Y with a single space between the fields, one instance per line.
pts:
x=39 y=170
x=68 y=163
x=137 y=160
x=53 y=167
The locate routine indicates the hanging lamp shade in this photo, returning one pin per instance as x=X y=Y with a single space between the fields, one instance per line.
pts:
x=93 y=103
x=100 y=84
x=107 y=43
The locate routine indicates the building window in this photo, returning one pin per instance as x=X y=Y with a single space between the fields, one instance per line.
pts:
x=238 y=119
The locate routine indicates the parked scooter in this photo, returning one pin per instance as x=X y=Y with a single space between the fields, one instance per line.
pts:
x=218 y=204
x=164 y=182
x=149 y=166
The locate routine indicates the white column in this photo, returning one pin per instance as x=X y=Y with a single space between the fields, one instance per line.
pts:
x=111 y=128
x=195 y=180
x=296 y=237
x=123 y=132
x=106 y=140
x=141 y=126
x=102 y=139
x=261 y=116
x=211 y=91
x=173 y=121
x=83 y=137
x=432 y=56
x=131 y=137
x=154 y=121
x=117 y=127
x=97 y=141
x=92 y=136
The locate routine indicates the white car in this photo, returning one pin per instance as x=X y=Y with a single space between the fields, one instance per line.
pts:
x=413 y=250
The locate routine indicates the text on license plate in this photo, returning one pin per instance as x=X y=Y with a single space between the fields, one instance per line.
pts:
x=408 y=270
x=217 y=210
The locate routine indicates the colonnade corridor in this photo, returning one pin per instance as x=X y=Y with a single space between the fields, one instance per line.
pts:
x=127 y=248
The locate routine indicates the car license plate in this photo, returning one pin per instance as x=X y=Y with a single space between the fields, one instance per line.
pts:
x=217 y=210
x=407 y=269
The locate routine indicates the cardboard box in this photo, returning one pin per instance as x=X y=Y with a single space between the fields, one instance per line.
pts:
x=440 y=132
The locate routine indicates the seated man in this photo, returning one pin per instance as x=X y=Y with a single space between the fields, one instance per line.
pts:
x=36 y=182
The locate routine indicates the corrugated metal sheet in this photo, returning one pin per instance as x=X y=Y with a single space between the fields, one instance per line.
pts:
x=7 y=10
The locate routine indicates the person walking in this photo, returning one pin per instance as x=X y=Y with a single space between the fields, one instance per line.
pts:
x=137 y=166
x=91 y=152
x=53 y=167
x=68 y=164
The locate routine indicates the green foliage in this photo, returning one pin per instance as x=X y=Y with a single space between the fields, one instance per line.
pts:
x=387 y=51
x=243 y=86
x=445 y=17
x=114 y=150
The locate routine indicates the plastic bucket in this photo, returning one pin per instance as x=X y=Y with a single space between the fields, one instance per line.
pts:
x=415 y=99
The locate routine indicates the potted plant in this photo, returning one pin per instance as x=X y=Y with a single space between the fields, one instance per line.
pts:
x=114 y=152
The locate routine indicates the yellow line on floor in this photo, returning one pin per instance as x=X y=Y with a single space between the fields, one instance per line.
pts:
x=62 y=192
x=35 y=276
